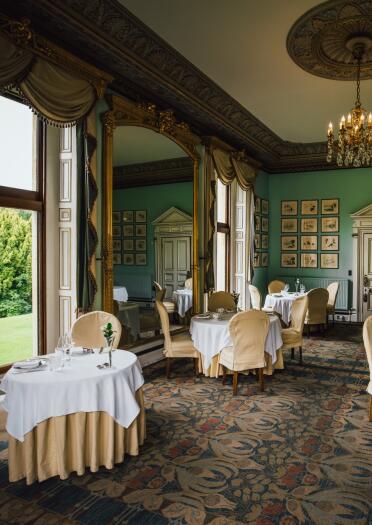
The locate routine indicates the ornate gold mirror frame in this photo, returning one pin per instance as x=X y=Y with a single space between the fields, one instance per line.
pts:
x=125 y=113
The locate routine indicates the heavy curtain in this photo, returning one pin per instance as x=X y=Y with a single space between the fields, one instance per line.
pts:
x=51 y=91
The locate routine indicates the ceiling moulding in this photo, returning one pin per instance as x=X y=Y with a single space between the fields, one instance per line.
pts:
x=145 y=67
x=168 y=171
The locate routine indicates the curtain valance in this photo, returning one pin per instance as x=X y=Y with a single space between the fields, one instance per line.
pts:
x=230 y=165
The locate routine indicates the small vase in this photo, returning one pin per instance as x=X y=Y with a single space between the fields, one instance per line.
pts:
x=110 y=356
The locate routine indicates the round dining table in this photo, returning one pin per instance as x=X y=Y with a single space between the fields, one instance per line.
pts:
x=120 y=294
x=282 y=304
x=94 y=413
x=210 y=336
x=183 y=301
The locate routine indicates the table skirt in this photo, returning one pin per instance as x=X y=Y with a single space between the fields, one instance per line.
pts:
x=215 y=370
x=65 y=444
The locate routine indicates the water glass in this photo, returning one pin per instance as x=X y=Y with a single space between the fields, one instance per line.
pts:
x=67 y=344
x=302 y=288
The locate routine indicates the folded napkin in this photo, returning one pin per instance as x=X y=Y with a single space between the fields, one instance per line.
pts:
x=27 y=365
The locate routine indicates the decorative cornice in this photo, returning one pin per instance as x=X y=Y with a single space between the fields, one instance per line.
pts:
x=145 y=67
x=166 y=171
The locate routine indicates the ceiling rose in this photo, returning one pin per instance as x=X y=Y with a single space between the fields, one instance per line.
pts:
x=321 y=41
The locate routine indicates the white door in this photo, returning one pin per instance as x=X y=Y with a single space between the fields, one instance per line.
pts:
x=367 y=276
x=175 y=262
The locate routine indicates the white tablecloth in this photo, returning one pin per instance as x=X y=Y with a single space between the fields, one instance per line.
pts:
x=282 y=304
x=120 y=294
x=183 y=301
x=210 y=336
x=33 y=397
x=128 y=315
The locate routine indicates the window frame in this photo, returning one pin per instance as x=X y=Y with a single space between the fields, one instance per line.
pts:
x=224 y=227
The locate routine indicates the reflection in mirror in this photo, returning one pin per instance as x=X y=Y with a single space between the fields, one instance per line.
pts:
x=152 y=232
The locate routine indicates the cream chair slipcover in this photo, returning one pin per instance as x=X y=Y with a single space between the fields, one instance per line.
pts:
x=317 y=308
x=188 y=284
x=86 y=331
x=248 y=331
x=221 y=300
x=332 y=298
x=179 y=345
x=275 y=286
x=292 y=336
x=367 y=339
x=168 y=305
x=256 y=300
x=65 y=444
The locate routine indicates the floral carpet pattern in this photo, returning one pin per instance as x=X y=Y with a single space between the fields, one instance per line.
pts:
x=298 y=454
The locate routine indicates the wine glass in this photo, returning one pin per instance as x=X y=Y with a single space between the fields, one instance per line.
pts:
x=59 y=350
x=67 y=344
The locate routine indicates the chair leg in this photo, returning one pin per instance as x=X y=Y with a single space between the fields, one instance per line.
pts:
x=292 y=353
x=300 y=349
x=370 y=408
x=223 y=375
x=196 y=366
x=308 y=330
x=261 y=376
x=168 y=367
x=235 y=383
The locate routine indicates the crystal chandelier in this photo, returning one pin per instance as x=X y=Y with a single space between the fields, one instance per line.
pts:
x=354 y=145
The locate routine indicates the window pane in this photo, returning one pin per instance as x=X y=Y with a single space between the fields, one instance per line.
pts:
x=221 y=262
x=18 y=290
x=16 y=145
x=221 y=202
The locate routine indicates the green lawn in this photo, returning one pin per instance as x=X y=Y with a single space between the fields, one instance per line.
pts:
x=15 y=338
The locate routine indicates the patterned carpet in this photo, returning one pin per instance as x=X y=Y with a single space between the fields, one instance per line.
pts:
x=298 y=454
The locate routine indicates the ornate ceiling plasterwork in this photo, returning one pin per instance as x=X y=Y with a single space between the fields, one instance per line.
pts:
x=320 y=41
x=147 y=68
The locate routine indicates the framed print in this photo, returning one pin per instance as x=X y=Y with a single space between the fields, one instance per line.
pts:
x=116 y=217
x=289 y=242
x=141 y=259
x=140 y=230
x=257 y=260
x=264 y=259
x=264 y=241
x=309 y=225
x=289 y=260
x=257 y=223
x=140 y=245
x=116 y=258
x=289 y=207
x=309 y=260
x=329 y=224
x=265 y=206
x=128 y=216
x=128 y=230
x=330 y=206
x=128 y=245
x=289 y=225
x=128 y=259
x=257 y=204
x=309 y=242
x=116 y=245
x=329 y=242
x=141 y=216
x=116 y=231
x=309 y=207
x=264 y=224
x=329 y=260
x=257 y=241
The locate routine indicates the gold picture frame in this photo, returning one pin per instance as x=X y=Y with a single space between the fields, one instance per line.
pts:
x=141 y=230
x=309 y=242
x=116 y=217
x=330 y=206
x=309 y=260
x=288 y=260
x=309 y=207
x=264 y=259
x=116 y=231
x=128 y=230
x=128 y=245
x=116 y=258
x=127 y=216
x=257 y=241
x=257 y=260
x=257 y=204
x=330 y=224
x=141 y=245
x=264 y=206
x=289 y=226
x=116 y=245
x=265 y=224
x=309 y=225
x=330 y=243
x=264 y=241
x=128 y=259
x=289 y=207
x=141 y=216
x=289 y=242
x=329 y=261
x=141 y=259
x=257 y=223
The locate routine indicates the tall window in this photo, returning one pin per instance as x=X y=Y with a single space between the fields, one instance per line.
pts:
x=21 y=207
x=222 y=238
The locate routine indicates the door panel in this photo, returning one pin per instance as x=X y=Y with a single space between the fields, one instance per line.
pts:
x=367 y=276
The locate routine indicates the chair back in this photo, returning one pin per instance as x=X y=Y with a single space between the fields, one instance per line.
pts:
x=159 y=292
x=87 y=330
x=256 y=299
x=164 y=321
x=317 y=306
x=248 y=331
x=332 y=291
x=188 y=283
x=221 y=300
x=275 y=286
x=298 y=313
x=367 y=339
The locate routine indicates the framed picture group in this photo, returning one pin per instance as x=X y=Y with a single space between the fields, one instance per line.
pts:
x=261 y=228
x=129 y=231
x=311 y=227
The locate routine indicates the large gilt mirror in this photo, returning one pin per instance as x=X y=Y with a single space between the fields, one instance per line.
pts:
x=150 y=219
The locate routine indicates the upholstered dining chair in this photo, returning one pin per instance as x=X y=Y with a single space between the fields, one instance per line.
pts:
x=256 y=299
x=221 y=300
x=332 y=298
x=292 y=336
x=367 y=339
x=86 y=331
x=248 y=331
x=169 y=305
x=178 y=345
x=188 y=283
x=317 y=308
x=151 y=322
x=275 y=286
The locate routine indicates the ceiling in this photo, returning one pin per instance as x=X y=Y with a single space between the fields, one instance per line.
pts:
x=134 y=145
x=241 y=45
